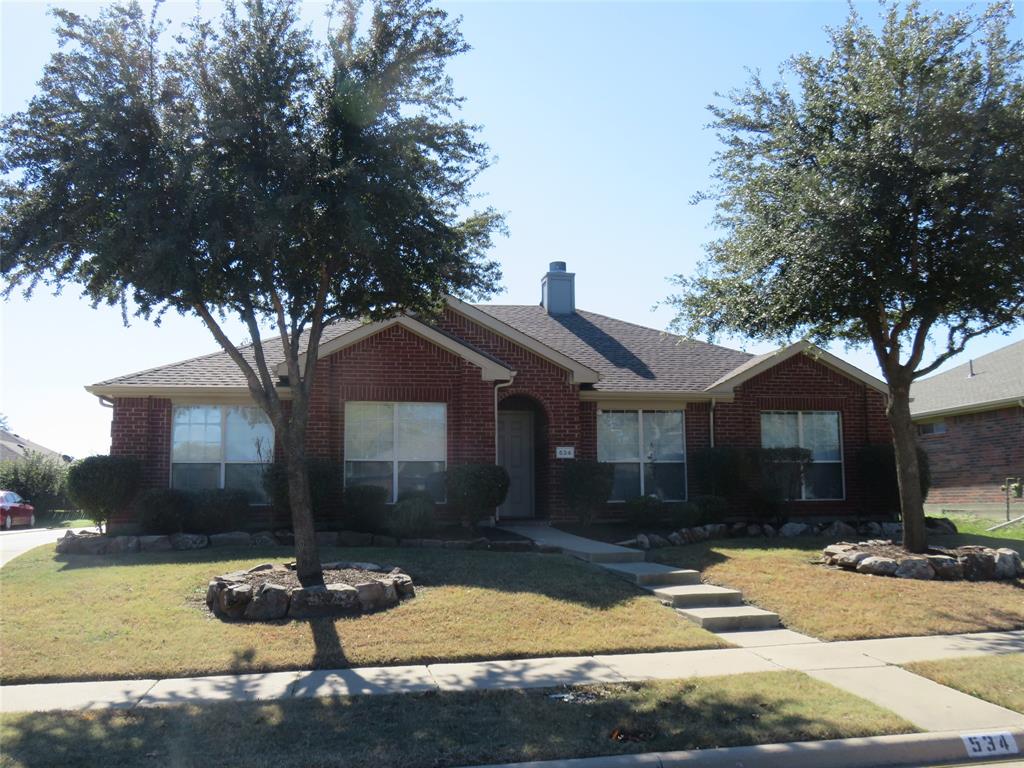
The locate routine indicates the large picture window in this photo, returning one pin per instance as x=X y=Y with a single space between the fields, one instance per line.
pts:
x=647 y=449
x=221 y=446
x=399 y=446
x=817 y=431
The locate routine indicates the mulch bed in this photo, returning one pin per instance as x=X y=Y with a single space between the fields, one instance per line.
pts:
x=287 y=578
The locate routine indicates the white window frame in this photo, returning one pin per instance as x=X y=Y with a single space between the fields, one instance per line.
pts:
x=222 y=458
x=935 y=428
x=394 y=442
x=642 y=461
x=841 y=461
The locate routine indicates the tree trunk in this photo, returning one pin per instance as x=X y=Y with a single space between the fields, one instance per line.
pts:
x=915 y=537
x=307 y=554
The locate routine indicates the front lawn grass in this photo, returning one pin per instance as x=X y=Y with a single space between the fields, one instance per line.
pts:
x=77 y=617
x=447 y=729
x=779 y=575
x=999 y=679
x=978 y=526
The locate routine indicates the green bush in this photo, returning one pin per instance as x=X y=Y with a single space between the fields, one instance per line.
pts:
x=104 y=485
x=475 y=490
x=877 y=465
x=645 y=511
x=163 y=511
x=685 y=514
x=412 y=517
x=38 y=478
x=586 y=486
x=721 y=470
x=216 y=511
x=365 y=506
x=713 y=509
x=325 y=486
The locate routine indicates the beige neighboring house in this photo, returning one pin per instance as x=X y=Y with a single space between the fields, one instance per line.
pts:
x=14 y=447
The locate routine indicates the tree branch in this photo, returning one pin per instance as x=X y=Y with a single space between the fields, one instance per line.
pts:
x=255 y=388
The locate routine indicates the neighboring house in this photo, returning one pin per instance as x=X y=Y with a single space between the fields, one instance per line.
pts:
x=970 y=420
x=530 y=387
x=14 y=447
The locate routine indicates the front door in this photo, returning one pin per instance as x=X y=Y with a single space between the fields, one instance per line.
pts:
x=515 y=454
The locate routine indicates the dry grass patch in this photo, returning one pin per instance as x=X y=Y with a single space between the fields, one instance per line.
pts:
x=840 y=605
x=447 y=729
x=78 y=617
x=999 y=679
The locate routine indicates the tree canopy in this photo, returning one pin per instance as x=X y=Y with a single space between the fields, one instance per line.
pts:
x=873 y=195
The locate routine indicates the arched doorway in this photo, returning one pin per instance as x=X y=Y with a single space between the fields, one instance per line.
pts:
x=522 y=451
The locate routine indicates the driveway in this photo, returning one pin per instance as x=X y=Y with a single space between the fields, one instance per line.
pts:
x=14 y=543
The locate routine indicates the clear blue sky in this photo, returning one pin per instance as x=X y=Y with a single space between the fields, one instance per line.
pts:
x=596 y=112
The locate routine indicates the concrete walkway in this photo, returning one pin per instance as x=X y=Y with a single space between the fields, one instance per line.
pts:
x=19 y=541
x=862 y=667
x=576 y=546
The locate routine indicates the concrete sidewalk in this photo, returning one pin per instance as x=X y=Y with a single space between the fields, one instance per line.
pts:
x=862 y=667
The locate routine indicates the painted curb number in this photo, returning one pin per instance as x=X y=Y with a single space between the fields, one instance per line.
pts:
x=989 y=744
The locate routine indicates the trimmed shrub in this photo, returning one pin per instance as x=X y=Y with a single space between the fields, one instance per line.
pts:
x=877 y=465
x=365 y=506
x=586 y=486
x=645 y=511
x=412 y=517
x=325 y=486
x=721 y=470
x=104 y=485
x=475 y=490
x=713 y=509
x=163 y=511
x=38 y=478
x=685 y=514
x=216 y=511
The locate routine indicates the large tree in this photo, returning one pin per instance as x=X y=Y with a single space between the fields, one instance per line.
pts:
x=243 y=169
x=874 y=195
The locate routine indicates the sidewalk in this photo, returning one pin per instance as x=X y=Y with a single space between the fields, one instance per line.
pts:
x=863 y=667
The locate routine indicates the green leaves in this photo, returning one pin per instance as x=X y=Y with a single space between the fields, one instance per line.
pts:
x=878 y=199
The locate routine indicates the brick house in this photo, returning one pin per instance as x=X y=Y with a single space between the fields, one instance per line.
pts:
x=970 y=420
x=529 y=387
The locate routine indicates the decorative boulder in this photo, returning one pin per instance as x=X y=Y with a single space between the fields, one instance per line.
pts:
x=233 y=599
x=946 y=568
x=978 y=563
x=840 y=530
x=790 y=530
x=675 y=539
x=940 y=525
x=284 y=537
x=643 y=541
x=317 y=602
x=850 y=560
x=754 y=530
x=265 y=539
x=871 y=529
x=230 y=539
x=892 y=531
x=270 y=602
x=120 y=544
x=155 y=543
x=186 y=541
x=354 y=539
x=403 y=585
x=374 y=597
x=1008 y=563
x=878 y=566
x=915 y=568
x=768 y=531
x=261 y=567
x=657 y=541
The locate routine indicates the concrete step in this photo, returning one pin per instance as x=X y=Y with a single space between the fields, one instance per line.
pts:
x=731 y=618
x=698 y=595
x=652 y=574
x=621 y=555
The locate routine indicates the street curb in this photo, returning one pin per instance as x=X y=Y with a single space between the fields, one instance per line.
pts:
x=865 y=752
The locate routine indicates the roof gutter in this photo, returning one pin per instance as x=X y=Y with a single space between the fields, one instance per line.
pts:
x=991 y=405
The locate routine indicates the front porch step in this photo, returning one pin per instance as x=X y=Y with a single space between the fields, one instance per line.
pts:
x=652 y=574
x=731 y=618
x=698 y=596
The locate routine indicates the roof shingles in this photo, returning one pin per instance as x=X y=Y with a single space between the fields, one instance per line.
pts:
x=998 y=378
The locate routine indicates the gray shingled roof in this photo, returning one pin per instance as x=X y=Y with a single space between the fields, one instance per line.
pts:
x=998 y=377
x=628 y=357
x=14 y=447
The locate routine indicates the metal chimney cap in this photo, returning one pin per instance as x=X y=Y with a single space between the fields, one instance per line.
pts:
x=556 y=266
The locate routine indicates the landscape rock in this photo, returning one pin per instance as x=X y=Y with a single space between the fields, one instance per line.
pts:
x=657 y=541
x=155 y=544
x=850 y=560
x=372 y=596
x=230 y=539
x=790 y=530
x=675 y=539
x=840 y=530
x=119 y=544
x=892 y=531
x=768 y=531
x=233 y=599
x=354 y=539
x=978 y=563
x=1008 y=563
x=946 y=568
x=871 y=529
x=915 y=568
x=187 y=541
x=284 y=537
x=643 y=541
x=265 y=539
x=326 y=538
x=403 y=585
x=318 y=602
x=269 y=603
x=940 y=525
x=878 y=566
x=263 y=567
x=754 y=530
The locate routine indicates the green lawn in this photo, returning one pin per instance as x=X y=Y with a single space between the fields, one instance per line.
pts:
x=978 y=526
x=780 y=576
x=143 y=615
x=999 y=679
x=450 y=729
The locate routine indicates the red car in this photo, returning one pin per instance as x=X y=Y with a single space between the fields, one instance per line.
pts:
x=14 y=510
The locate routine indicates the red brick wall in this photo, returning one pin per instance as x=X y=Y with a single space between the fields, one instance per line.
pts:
x=801 y=383
x=141 y=427
x=975 y=456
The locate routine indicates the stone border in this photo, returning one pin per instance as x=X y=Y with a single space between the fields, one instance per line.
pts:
x=231 y=596
x=90 y=543
x=969 y=562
